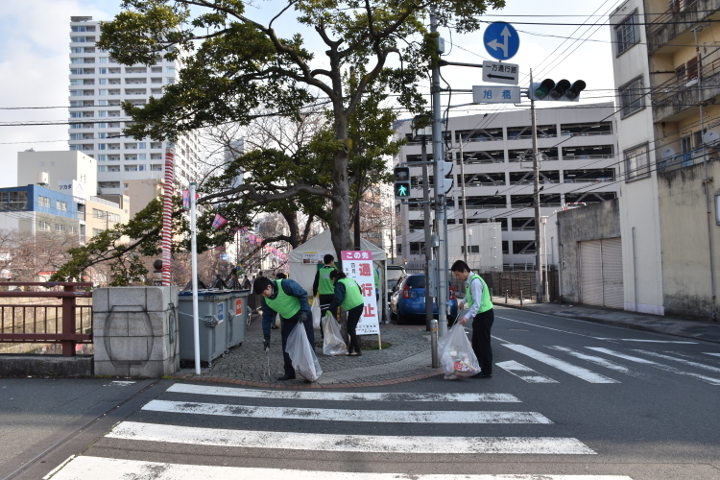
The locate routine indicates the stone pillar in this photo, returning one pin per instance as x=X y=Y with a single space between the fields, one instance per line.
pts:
x=135 y=331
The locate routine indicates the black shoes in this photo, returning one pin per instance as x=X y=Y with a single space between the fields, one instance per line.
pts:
x=286 y=377
x=482 y=375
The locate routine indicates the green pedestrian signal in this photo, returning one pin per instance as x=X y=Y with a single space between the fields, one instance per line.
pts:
x=402 y=189
x=402 y=182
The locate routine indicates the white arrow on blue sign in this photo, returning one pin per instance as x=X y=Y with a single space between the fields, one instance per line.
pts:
x=501 y=40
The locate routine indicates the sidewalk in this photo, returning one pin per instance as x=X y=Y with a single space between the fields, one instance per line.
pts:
x=706 y=331
x=406 y=358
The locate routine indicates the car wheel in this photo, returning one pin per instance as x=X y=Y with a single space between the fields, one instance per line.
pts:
x=393 y=315
x=400 y=319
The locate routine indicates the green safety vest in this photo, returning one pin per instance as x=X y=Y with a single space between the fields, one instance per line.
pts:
x=286 y=305
x=486 y=302
x=325 y=285
x=353 y=295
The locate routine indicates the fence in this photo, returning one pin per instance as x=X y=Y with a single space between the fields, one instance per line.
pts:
x=523 y=281
x=67 y=322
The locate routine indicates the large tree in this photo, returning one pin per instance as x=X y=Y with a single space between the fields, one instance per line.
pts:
x=238 y=63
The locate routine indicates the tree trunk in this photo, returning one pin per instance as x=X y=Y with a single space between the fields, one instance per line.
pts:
x=340 y=225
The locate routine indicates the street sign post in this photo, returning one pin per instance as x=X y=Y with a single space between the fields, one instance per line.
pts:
x=501 y=40
x=495 y=94
x=498 y=72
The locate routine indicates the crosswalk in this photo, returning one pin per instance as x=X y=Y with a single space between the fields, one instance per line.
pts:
x=616 y=363
x=185 y=410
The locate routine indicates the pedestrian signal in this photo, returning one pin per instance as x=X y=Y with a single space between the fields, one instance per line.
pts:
x=402 y=182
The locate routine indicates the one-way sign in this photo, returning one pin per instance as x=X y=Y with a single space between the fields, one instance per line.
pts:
x=498 y=72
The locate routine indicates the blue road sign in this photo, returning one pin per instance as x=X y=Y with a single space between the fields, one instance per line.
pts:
x=501 y=40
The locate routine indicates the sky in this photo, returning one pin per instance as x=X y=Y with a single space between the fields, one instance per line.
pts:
x=34 y=60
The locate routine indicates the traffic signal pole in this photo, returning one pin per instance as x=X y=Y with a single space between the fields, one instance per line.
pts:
x=440 y=213
x=536 y=198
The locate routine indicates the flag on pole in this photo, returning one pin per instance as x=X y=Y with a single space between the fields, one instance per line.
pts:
x=186 y=199
x=219 y=221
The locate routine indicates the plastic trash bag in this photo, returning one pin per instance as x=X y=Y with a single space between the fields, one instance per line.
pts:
x=278 y=321
x=302 y=354
x=456 y=354
x=333 y=343
x=315 y=311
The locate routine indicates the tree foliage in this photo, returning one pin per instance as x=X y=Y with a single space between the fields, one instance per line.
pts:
x=237 y=64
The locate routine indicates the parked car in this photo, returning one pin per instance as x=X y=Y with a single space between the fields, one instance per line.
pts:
x=395 y=273
x=407 y=302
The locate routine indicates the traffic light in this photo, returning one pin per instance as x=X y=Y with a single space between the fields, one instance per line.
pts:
x=402 y=182
x=562 y=91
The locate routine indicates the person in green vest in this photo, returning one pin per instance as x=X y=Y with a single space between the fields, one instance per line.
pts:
x=479 y=303
x=289 y=299
x=348 y=295
x=324 y=286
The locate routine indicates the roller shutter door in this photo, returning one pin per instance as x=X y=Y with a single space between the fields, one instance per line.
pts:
x=591 y=272
x=601 y=273
x=613 y=294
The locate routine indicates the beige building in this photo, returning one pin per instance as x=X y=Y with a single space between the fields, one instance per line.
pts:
x=666 y=72
x=104 y=214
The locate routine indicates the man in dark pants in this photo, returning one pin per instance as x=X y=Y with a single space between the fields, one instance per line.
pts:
x=325 y=286
x=477 y=299
x=289 y=299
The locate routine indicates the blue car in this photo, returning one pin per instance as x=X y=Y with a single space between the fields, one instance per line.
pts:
x=408 y=301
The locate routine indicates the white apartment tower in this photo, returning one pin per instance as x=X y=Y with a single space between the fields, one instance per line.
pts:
x=98 y=86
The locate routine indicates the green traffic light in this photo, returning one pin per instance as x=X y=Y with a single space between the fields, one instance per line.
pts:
x=402 y=189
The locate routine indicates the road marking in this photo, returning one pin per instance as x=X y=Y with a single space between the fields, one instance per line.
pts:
x=646 y=341
x=679 y=360
x=596 y=360
x=338 y=415
x=342 y=396
x=542 y=326
x=153 y=432
x=524 y=373
x=116 y=469
x=574 y=370
x=712 y=353
x=665 y=368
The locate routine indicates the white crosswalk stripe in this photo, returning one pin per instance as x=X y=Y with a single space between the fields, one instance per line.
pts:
x=112 y=469
x=342 y=396
x=574 y=370
x=679 y=360
x=341 y=415
x=594 y=359
x=524 y=373
x=187 y=425
x=712 y=353
x=663 y=367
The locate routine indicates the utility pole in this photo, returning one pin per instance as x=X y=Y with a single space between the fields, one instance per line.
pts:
x=428 y=235
x=440 y=214
x=536 y=198
x=464 y=211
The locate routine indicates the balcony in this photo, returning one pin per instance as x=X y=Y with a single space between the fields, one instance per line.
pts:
x=681 y=93
x=677 y=20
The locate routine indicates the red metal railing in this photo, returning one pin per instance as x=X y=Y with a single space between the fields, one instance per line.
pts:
x=67 y=323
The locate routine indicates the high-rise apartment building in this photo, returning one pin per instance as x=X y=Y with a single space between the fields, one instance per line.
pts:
x=98 y=86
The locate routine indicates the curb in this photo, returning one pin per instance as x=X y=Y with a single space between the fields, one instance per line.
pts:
x=631 y=326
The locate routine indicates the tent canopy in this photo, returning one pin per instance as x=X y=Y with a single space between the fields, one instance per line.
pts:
x=304 y=259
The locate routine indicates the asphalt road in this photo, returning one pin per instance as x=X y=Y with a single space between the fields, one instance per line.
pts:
x=567 y=398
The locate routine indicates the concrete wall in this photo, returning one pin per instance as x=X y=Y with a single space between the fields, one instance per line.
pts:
x=593 y=222
x=60 y=165
x=687 y=241
x=135 y=331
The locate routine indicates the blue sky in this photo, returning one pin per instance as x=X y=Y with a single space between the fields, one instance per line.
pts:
x=34 y=53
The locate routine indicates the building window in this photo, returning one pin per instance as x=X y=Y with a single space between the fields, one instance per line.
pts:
x=632 y=97
x=61 y=205
x=101 y=158
x=59 y=227
x=43 y=225
x=43 y=201
x=156 y=168
x=131 y=168
x=13 y=200
x=97 y=231
x=637 y=164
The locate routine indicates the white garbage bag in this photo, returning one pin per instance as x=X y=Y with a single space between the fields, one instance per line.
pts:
x=302 y=354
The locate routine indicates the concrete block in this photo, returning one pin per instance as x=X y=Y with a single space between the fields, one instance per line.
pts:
x=99 y=350
x=161 y=349
x=158 y=298
x=100 y=300
x=98 y=323
x=108 y=368
x=127 y=296
x=152 y=369
x=46 y=365
x=139 y=324
x=159 y=323
x=116 y=325
x=129 y=349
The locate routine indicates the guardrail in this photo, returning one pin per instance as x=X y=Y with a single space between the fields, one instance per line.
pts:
x=67 y=323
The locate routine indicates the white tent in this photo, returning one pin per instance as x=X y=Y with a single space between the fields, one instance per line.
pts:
x=304 y=259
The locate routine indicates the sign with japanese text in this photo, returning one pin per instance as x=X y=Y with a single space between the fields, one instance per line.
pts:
x=238 y=306
x=495 y=94
x=498 y=72
x=358 y=265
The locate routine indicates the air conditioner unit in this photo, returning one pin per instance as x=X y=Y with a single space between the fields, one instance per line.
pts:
x=43 y=179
